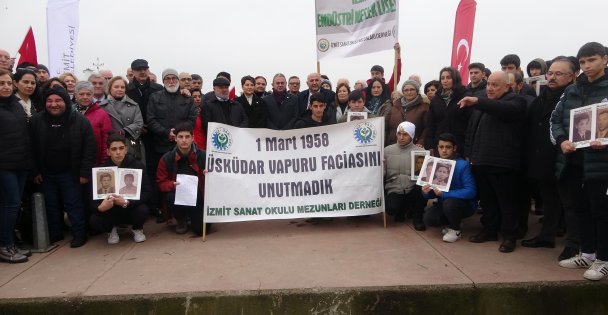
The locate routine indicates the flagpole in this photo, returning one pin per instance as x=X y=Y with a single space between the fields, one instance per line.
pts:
x=318 y=66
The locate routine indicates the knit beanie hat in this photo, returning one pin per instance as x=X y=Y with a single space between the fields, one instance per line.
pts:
x=407 y=127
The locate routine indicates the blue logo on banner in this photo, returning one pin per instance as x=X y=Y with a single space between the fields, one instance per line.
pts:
x=364 y=133
x=221 y=139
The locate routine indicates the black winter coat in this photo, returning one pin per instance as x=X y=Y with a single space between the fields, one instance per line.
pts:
x=494 y=134
x=257 y=112
x=306 y=120
x=141 y=95
x=442 y=118
x=330 y=98
x=225 y=112
x=83 y=150
x=14 y=137
x=165 y=110
x=282 y=116
x=540 y=153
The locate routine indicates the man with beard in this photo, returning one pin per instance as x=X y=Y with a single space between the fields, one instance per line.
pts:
x=166 y=109
x=222 y=109
x=540 y=162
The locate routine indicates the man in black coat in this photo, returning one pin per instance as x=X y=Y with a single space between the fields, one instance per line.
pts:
x=540 y=160
x=282 y=105
x=65 y=151
x=140 y=88
x=493 y=146
x=314 y=86
x=222 y=109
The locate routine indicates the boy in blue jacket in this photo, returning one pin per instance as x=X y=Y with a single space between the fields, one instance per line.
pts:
x=457 y=203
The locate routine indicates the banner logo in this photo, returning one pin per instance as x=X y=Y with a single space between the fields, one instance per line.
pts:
x=221 y=139
x=323 y=45
x=364 y=133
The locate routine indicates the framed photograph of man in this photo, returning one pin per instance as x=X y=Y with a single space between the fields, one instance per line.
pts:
x=601 y=127
x=104 y=182
x=129 y=183
x=424 y=177
x=417 y=160
x=442 y=174
x=356 y=116
x=581 y=122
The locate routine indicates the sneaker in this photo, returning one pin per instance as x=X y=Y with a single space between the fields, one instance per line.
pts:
x=451 y=236
x=138 y=236
x=578 y=261
x=10 y=255
x=113 y=237
x=597 y=271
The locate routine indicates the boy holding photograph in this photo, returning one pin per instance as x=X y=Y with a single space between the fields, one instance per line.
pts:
x=401 y=191
x=591 y=87
x=116 y=209
x=457 y=203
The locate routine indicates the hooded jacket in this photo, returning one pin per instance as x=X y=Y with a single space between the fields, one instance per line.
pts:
x=74 y=127
x=14 y=137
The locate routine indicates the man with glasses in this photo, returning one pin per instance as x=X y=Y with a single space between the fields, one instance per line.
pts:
x=166 y=109
x=540 y=156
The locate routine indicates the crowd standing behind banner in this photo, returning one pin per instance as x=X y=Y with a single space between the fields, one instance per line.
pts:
x=507 y=144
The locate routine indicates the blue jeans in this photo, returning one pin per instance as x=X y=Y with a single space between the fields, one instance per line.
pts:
x=11 y=191
x=62 y=191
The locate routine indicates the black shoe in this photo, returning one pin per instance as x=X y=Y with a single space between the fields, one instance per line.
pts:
x=483 y=236
x=536 y=242
x=567 y=253
x=9 y=255
x=24 y=252
x=78 y=241
x=419 y=225
x=507 y=246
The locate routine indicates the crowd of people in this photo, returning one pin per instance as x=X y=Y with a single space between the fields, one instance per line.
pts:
x=508 y=138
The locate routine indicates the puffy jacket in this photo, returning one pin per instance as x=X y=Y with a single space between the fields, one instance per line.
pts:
x=101 y=124
x=580 y=94
x=397 y=177
x=14 y=137
x=462 y=186
x=165 y=110
x=494 y=134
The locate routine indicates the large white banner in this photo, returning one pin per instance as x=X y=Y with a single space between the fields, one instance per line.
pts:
x=259 y=174
x=62 y=29
x=348 y=28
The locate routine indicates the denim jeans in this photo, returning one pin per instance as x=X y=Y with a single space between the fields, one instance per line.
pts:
x=62 y=192
x=11 y=191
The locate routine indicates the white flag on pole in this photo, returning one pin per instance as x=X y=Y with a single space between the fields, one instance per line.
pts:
x=347 y=28
x=62 y=30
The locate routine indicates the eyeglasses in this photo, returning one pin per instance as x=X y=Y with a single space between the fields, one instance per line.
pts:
x=409 y=90
x=185 y=79
x=557 y=74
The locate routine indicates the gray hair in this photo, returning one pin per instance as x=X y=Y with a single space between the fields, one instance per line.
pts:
x=83 y=85
x=277 y=76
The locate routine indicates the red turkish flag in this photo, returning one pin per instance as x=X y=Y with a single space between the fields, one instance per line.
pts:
x=463 y=38
x=27 y=51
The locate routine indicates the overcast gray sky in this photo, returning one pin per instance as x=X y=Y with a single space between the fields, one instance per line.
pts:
x=264 y=37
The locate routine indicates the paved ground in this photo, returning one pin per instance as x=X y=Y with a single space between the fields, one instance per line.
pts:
x=280 y=254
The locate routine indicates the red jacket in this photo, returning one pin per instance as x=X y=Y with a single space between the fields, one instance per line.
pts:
x=200 y=138
x=167 y=169
x=100 y=121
